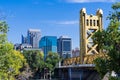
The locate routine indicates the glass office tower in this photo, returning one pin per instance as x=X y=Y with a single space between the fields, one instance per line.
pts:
x=24 y=40
x=64 y=46
x=48 y=43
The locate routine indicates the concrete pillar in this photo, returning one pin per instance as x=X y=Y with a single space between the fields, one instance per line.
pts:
x=81 y=74
x=69 y=72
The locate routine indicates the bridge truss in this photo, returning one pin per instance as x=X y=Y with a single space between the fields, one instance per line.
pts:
x=89 y=24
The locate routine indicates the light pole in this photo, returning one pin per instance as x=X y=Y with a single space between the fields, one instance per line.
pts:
x=50 y=74
x=44 y=72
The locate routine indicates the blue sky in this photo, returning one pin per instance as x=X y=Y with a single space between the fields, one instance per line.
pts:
x=52 y=17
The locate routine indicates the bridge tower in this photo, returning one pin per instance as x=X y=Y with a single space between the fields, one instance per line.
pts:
x=89 y=24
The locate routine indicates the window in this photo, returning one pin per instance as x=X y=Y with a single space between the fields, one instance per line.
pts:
x=66 y=46
x=90 y=22
x=87 y=22
x=94 y=22
x=97 y=22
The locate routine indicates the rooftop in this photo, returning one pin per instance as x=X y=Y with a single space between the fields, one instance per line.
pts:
x=34 y=30
x=64 y=37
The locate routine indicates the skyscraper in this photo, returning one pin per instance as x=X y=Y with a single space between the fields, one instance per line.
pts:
x=33 y=36
x=48 y=43
x=64 y=46
x=24 y=39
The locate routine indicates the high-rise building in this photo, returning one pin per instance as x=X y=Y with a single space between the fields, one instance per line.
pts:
x=33 y=36
x=76 y=52
x=48 y=43
x=24 y=39
x=64 y=46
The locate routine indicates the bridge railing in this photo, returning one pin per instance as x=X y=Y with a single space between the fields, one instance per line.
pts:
x=70 y=61
x=88 y=59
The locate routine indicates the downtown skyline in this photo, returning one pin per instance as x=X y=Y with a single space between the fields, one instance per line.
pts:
x=53 y=18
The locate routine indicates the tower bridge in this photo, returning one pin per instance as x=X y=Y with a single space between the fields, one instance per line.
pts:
x=82 y=67
x=89 y=24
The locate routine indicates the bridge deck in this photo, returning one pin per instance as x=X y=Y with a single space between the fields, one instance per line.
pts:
x=79 y=66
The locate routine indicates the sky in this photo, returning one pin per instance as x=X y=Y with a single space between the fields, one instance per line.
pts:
x=52 y=17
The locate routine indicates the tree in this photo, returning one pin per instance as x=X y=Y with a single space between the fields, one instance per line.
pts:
x=10 y=60
x=3 y=32
x=35 y=61
x=51 y=60
x=109 y=42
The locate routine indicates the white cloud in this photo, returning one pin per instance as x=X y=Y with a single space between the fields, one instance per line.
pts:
x=73 y=22
x=81 y=1
x=68 y=22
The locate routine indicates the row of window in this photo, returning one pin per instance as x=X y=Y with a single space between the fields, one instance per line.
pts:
x=92 y=22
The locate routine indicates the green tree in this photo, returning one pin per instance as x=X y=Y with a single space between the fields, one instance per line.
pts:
x=3 y=32
x=35 y=61
x=52 y=60
x=108 y=41
x=10 y=60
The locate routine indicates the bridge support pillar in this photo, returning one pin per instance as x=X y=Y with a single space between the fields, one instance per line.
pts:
x=81 y=74
x=69 y=71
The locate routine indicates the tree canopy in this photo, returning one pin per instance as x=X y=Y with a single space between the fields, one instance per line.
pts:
x=10 y=60
x=35 y=60
x=52 y=59
x=108 y=41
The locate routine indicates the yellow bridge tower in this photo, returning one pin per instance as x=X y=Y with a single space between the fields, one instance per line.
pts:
x=89 y=24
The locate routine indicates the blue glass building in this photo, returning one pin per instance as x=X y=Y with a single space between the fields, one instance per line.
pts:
x=24 y=39
x=48 y=43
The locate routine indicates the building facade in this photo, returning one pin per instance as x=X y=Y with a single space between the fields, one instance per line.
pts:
x=17 y=46
x=64 y=46
x=33 y=36
x=24 y=40
x=76 y=52
x=48 y=43
x=21 y=47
